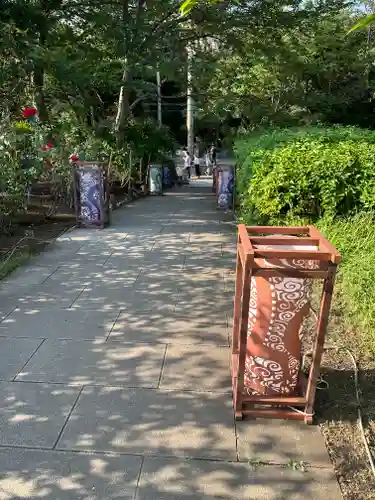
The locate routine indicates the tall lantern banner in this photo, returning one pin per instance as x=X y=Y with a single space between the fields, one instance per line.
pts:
x=156 y=179
x=91 y=193
x=225 y=181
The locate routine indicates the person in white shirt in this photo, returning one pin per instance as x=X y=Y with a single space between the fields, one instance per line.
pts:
x=187 y=161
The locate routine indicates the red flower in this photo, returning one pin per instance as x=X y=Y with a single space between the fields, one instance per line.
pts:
x=29 y=112
x=43 y=148
x=49 y=145
x=74 y=158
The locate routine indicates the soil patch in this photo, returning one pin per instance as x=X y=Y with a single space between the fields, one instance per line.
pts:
x=336 y=405
x=28 y=235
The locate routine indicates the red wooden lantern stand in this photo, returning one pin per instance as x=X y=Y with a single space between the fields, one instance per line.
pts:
x=275 y=270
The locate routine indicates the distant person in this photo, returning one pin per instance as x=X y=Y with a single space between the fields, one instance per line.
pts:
x=197 y=165
x=208 y=163
x=187 y=161
x=213 y=154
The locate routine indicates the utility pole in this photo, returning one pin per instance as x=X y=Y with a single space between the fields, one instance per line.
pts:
x=190 y=103
x=158 y=84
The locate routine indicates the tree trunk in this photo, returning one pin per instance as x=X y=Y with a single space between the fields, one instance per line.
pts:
x=123 y=100
x=38 y=78
x=123 y=105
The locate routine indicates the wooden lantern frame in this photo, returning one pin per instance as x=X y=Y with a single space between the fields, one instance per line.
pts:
x=104 y=194
x=299 y=407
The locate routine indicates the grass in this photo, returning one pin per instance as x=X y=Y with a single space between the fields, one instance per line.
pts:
x=15 y=261
x=355 y=290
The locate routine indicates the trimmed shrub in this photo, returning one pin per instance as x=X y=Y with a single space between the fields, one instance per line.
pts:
x=306 y=172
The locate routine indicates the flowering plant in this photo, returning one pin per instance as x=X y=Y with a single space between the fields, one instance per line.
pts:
x=74 y=158
x=30 y=113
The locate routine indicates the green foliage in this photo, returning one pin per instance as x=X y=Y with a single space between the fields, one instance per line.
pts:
x=301 y=70
x=337 y=165
x=355 y=238
x=364 y=22
x=21 y=161
x=307 y=173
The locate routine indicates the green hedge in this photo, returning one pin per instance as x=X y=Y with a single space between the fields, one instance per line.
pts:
x=322 y=175
x=305 y=172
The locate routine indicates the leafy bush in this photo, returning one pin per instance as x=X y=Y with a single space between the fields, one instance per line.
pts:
x=308 y=172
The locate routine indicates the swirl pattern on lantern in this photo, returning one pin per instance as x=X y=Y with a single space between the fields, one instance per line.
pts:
x=89 y=191
x=278 y=305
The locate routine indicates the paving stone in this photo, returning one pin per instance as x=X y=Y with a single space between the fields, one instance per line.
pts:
x=164 y=239
x=56 y=323
x=171 y=479
x=197 y=368
x=99 y=258
x=94 y=363
x=159 y=271
x=280 y=441
x=200 y=236
x=106 y=297
x=73 y=258
x=165 y=257
x=51 y=475
x=121 y=264
x=204 y=305
x=25 y=277
x=152 y=423
x=120 y=260
x=33 y=414
x=48 y=293
x=169 y=326
x=62 y=244
x=202 y=263
x=50 y=296
x=207 y=283
x=56 y=254
x=154 y=284
x=90 y=275
x=182 y=230
x=13 y=355
x=83 y=235
x=7 y=305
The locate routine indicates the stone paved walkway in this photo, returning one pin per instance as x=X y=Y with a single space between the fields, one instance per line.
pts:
x=114 y=361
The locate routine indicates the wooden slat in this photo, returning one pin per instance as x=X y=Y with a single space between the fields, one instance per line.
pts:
x=277 y=230
x=244 y=320
x=325 y=245
x=273 y=413
x=241 y=253
x=275 y=400
x=291 y=273
x=245 y=241
x=293 y=240
x=235 y=358
x=237 y=305
x=318 y=349
x=292 y=254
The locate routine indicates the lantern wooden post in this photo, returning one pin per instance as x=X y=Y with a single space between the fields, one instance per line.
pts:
x=270 y=258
